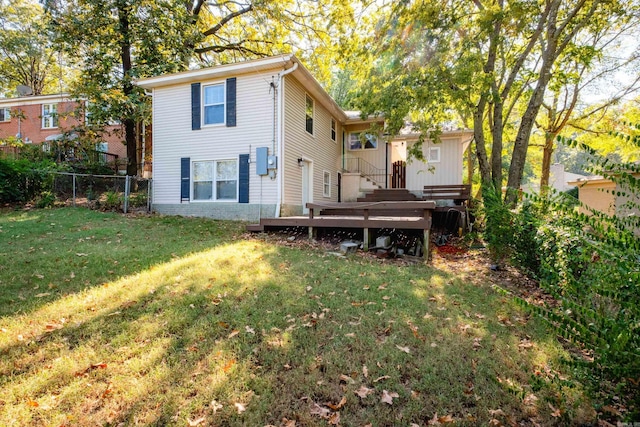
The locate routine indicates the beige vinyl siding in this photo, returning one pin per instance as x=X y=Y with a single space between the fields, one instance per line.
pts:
x=318 y=148
x=376 y=157
x=447 y=172
x=174 y=139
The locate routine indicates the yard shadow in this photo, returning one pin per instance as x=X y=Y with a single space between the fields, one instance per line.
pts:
x=252 y=333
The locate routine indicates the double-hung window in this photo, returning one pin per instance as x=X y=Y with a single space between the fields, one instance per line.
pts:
x=49 y=116
x=326 y=184
x=434 y=155
x=5 y=115
x=215 y=180
x=309 y=114
x=214 y=104
x=333 y=130
x=363 y=141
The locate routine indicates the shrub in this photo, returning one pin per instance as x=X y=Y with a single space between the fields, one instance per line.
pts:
x=45 y=200
x=498 y=226
x=137 y=200
x=22 y=180
x=112 y=200
x=590 y=263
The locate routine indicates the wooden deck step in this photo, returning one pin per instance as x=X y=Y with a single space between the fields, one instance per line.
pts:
x=255 y=227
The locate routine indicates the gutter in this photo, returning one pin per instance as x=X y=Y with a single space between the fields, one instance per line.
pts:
x=281 y=133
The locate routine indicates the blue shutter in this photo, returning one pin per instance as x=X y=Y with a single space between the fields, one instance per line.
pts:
x=243 y=179
x=185 y=176
x=195 y=106
x=231 y=102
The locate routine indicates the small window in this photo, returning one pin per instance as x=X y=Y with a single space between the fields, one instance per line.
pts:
x=326 y=184
x=363 y=141
x=5 y=115
x=434 y=155
x=215 y=180
x=102 y=147
x=49 y=116
x=309 y=114
x=214 y=104
x=333 y=130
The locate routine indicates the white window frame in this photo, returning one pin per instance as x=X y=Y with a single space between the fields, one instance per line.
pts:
x=214 y=195
x=433 y=155
x=308 y=97
x=326 y=183
x=334 y=130
x=6 y=116
x=363 y=148
x=49 y=118
x=223 y=103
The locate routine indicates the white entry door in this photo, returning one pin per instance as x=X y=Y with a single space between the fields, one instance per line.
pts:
x=307 y=185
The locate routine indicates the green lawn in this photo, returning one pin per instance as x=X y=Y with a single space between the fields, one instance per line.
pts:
x=113 y=320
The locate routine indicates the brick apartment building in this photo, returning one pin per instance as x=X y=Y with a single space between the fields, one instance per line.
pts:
x=36 y=118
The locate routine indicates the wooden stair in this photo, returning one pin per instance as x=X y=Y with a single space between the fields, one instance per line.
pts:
x=389 y=195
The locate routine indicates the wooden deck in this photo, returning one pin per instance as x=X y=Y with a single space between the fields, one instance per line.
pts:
x=406 y=215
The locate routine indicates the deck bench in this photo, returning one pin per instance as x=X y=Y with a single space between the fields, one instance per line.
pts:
x=460 y=194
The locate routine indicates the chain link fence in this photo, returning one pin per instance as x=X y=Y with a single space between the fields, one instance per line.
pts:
x=107 y=192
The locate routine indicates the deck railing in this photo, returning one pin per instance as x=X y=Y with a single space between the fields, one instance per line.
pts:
x=366 y=169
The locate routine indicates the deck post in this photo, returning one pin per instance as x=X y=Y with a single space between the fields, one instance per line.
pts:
x=311 y=233
x=365 y=244
x=425 y=249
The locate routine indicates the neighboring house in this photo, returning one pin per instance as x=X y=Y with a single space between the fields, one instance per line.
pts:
x=604 y=195
x=42 y=119
x=262 y=138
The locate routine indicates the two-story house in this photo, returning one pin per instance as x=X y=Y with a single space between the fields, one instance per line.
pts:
x=261 y=138
x=42 y=119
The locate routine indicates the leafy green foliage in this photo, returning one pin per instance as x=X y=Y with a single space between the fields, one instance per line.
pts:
x=588 y=261
x=112 y=200
x=22 y=180
x=498 y=231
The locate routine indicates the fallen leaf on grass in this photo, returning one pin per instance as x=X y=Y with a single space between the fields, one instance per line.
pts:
x=81 y=254
x=525 y=344
x=229 y=365
x=437 y=421
x=249 y=330
x=339 y=405
x=555 y=412
x=319 y=410
x=32 y=403
x=194 y=423
x=384 y=377
x=365 y=371
x=388 y=397
x=496 y=412
x=233 y=333
x=363 y=391
x=288 y=423
x=347 y=379
x=476 y=343
x=42 y=295
x=240 y=407
x=405 y=349
x=334 y=419
x=215 y=406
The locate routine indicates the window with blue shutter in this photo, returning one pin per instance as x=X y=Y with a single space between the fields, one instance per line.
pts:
x=185 y=173
x=243 y=179
x=195 y=106
x=231 y=102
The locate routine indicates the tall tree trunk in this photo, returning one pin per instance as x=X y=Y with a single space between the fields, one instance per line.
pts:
x=127 y=86
x=496 y=149
x=547 y=153
x=478 y=134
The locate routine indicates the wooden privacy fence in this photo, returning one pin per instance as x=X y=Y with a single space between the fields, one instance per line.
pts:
x=399 y=176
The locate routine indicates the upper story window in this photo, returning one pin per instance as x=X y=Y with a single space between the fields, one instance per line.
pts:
x=363 y=141
x=433 y=155
x=49 y=116
x=309 y=114
x=5 y=115
x=333 y=130
x=214 y=104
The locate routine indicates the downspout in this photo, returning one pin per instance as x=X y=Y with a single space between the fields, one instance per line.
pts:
x=281 y=133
